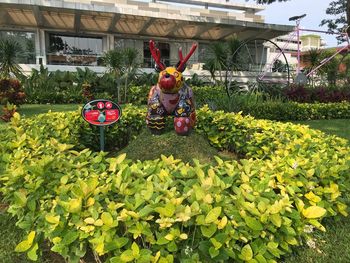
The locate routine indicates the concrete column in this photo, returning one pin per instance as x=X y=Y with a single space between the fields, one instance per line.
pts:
x=110 y=42
x=40 y=47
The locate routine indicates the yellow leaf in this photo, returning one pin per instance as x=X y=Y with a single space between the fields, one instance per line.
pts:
x=74 y=205
x=314 y=212
x=52 y=219
x=26 y=244
x=89 y=220
x=169 y=237
x=222 y=223
x=156 y=257
x=98 y=222
x=208 y=199
x=183 y=236
x=100 y=248
x=90 y=201
x=312 y=197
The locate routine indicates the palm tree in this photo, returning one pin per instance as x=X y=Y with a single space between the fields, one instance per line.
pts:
x=113 y=59
x=9 y=50
x=215 y=59
x=122 y=63
x=314 y=58
x=131 y=62
x=221 y=57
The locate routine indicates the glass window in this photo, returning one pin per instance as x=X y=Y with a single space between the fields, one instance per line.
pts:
x=124 y=43
x=164 y=49
x=203 y=50
x=74 y=50
x=27 y=44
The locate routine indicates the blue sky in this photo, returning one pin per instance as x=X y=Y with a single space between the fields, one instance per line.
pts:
x=278 y=13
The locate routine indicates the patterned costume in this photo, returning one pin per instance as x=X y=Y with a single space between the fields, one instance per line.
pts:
x=171 y=96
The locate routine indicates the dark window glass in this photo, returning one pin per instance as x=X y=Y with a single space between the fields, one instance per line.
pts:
x=164 y=49
x=27 y=43
x=73 y=50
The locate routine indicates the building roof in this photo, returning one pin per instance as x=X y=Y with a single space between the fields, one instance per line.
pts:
x=179 y=19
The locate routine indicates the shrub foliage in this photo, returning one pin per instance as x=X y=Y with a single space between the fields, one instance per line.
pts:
x=164 y=210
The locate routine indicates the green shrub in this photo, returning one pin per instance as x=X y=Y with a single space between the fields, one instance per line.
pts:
x=275 y=109
x=252 y=210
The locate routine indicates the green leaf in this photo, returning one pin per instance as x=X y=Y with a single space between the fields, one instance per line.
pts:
x=70 y=237
x=121 y=241
x=127 y=256
x=113 y=162
x=253 y=223
x=135 y=250
x=145 y=211
x=246 y=253
x=213 y=215
x=213 y=252
x=276 y=220
x=107 y=219
x=115 y=260
x=208 y=231
x=260 y=258
x=32 y=252
x=20 y=198
x=166 y=211
x=314 y=212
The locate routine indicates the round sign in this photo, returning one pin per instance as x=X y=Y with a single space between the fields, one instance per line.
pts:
x=101 y=112
x=100 y=105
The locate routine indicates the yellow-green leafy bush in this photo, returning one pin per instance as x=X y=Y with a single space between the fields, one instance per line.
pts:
x=251 y=210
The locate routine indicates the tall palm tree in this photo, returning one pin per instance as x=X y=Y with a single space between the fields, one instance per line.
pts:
x=9 y=50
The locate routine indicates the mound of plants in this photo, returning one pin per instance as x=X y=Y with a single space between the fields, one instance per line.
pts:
x=164 y=210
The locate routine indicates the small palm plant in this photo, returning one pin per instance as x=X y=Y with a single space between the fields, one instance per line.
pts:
x=131 y=62
x=123 y=63
x=314 y=58
x=113 y=60
x=9 y=50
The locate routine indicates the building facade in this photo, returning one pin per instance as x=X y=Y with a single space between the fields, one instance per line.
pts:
x=64 y=34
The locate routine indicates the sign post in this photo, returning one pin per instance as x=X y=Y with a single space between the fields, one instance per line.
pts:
x=101 y=113
x=102 y=138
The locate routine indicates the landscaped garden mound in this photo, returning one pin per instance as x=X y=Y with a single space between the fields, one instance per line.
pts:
x=164 y=210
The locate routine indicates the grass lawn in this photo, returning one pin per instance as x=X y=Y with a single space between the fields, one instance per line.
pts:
x=339 y=127
x=332 y=246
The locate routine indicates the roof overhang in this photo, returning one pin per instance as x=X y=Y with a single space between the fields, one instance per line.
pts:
x=137 y=19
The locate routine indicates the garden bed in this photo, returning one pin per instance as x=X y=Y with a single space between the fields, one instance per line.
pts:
x=165 y=209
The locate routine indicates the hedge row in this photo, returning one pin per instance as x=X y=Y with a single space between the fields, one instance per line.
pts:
x=164 y=210
x=288 y=111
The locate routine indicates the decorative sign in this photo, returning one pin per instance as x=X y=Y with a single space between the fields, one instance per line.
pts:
x=101 y=112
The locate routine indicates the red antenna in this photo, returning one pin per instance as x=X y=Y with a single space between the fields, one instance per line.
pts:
x=156 y=54
x=184 y=60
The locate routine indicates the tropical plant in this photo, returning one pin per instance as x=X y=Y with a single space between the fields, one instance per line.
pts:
x=123 y=64
x=9 y=50
x=11 y=91
x=313 y=60
x=113 y=60
x=221 y=57
x=131 y=63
